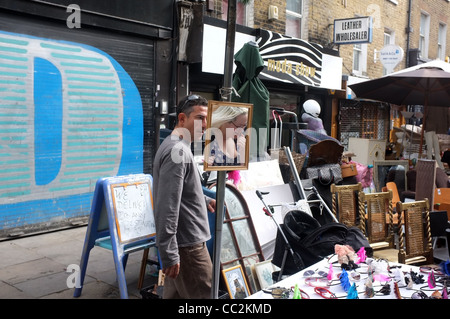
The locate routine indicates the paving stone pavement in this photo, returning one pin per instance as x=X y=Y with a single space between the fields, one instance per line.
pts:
x=36 y=267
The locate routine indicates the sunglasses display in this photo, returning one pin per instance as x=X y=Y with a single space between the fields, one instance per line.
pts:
x=398 y=282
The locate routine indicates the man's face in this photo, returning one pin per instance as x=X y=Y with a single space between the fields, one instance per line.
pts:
x=195 y=123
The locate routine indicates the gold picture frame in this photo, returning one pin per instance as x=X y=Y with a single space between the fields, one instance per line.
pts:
x=227 y=136
x=235 y=281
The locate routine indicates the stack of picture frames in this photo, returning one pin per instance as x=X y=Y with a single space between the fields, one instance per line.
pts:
x=242 y=262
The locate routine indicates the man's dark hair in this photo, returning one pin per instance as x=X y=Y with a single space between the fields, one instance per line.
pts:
x=186 y=104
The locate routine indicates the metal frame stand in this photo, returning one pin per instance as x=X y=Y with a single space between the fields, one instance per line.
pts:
x=300 y=188
x=297 y=259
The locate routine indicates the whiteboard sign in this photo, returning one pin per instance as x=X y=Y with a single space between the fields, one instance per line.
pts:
x=133 y=210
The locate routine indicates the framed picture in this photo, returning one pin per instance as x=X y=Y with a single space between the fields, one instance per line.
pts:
x=236 y=283
x=264 y=272
x=227 y=136
x=385 y=171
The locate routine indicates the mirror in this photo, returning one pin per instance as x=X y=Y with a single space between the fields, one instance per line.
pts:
x=390 y=171
x=240 y=243
x=227 y=136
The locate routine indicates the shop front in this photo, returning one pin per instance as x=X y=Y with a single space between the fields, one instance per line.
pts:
x=295 y=71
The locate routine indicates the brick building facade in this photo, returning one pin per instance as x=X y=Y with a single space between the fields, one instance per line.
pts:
x=394 y=21
x=418 y=27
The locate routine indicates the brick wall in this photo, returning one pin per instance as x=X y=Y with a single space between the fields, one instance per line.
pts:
x=262 y=15
x=385 y=14
x=439 y=12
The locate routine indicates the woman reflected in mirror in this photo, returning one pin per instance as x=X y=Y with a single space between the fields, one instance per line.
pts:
x=227 y=147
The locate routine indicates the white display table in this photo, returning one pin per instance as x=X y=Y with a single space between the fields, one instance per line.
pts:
x=382 y=276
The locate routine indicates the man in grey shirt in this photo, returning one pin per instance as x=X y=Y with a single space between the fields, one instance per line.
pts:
x=181 y=217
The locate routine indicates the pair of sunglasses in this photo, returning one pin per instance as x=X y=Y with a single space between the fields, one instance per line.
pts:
x=316 y=278
x=436 y=270
x=311 y=273
x=284 y=293
x=419 y=295
x=192 y=97
x=324 y=293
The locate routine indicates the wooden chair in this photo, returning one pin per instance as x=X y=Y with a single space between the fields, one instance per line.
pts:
x=379 y=221
x=425 y=180
x=395 y=196
x=442 y=200
x=415 y=236
x=345 y=204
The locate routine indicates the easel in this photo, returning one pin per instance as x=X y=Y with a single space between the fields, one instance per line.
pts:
x=109 y=223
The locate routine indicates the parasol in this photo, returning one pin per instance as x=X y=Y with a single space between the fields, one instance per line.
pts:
x=425 y=84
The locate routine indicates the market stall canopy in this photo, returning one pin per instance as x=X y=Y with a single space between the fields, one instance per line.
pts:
x=426 y=84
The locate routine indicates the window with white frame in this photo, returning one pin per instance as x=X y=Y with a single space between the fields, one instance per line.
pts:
x=442 y=41
x=357 y=52
x=389 y=38
x=360 y=59
x=294 y=14
x=424 y=35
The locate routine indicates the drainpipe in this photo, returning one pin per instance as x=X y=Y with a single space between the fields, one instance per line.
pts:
x=408 y=31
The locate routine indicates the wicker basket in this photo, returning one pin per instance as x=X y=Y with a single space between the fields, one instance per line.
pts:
x=299 y=161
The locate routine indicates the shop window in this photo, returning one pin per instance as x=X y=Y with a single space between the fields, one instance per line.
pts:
x=363 y=120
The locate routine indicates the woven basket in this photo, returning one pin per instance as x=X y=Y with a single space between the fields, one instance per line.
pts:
x=415 y=239
x=299 y=159
x=347 y=208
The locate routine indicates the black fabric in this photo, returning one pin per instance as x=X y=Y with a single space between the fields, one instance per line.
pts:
x=446 y=157
x=320 y=214
x=311 y=241
x=356 y=239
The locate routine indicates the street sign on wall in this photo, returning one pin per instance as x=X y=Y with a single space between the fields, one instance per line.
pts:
x=390 y=56
x=353 y=30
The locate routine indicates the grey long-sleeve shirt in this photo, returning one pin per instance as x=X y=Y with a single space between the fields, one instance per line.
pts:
x=181 y=215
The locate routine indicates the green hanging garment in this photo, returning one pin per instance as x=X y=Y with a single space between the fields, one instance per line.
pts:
x=250 y=88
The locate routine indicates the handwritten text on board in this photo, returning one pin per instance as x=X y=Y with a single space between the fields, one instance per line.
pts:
x=134 y=211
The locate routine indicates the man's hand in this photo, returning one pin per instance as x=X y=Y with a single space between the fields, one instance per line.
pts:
x=212 y=205
x=172 y=271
